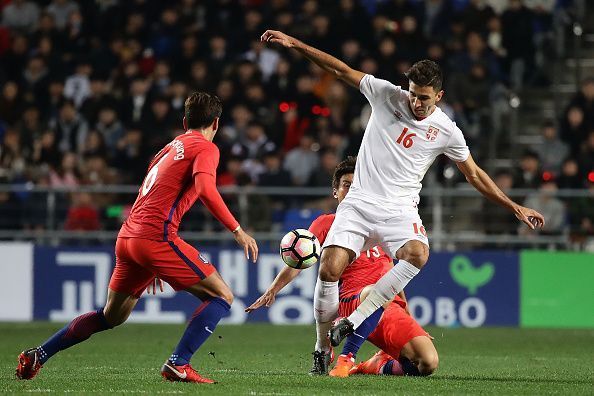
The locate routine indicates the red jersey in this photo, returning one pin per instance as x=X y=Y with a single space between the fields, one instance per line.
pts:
x=366 y=270
x=168 y=190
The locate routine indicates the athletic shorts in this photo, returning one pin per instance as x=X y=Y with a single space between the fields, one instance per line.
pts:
x=139 y=261
x=395 y=329
x=359 y=225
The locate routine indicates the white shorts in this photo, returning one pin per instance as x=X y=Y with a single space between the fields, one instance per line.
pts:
x=359 y=225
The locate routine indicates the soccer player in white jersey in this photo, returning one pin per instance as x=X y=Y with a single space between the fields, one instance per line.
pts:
x=405 y=133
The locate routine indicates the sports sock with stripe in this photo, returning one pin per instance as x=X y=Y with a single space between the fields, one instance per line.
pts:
x=354 y=341
x=390 y=284
x=81 y=328
x=200 y=327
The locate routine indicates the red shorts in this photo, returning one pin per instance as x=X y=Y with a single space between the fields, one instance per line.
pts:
x=395 y=329
x=139 y=261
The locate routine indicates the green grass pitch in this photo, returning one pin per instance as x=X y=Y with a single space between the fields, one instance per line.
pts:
x=274 y=360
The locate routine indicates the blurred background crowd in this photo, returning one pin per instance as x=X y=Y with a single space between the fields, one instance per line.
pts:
x=90 y=90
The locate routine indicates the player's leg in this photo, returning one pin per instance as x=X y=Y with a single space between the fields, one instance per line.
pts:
x=216 y=302
x=406 y=349
x=419 y=357
x=332 y=264
x=182 y=266
x=354 y=341
x=348 y=235
x=116 y=311
x=403 y=238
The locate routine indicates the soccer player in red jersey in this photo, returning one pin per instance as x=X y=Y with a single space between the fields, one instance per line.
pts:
x=406 y=349
x=148 y=247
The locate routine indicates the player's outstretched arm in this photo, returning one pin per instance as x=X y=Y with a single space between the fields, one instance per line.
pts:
x=479 y=179
x=284 y=277
x=205 y=184
x=325 y=61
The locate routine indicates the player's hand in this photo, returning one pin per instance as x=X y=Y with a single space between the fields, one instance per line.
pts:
x=250 y=247
x=274 y=36
x=530 y=217
x=266 y=299
x=152 y=288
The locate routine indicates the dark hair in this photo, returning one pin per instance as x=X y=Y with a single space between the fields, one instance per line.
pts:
x=201 y=109
x=345 y=167
x=426 y=73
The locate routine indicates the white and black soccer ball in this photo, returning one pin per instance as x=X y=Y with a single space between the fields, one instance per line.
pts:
x=300 y=249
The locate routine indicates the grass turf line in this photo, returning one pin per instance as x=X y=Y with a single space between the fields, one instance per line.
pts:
x=273 y=360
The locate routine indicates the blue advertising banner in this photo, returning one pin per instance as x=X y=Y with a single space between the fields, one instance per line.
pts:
x=468 y=290
x=69 y=281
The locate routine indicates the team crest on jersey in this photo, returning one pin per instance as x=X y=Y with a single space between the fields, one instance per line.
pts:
x=397 y=114
x=432 y=133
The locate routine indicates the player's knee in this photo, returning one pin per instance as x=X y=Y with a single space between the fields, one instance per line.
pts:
x=329 y=273
x=416 y=253
x=428 y=363
x=114 y=317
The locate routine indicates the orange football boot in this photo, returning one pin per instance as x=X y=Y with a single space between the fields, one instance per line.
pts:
x=184 y=373
x=343 y=365
x=372 y=365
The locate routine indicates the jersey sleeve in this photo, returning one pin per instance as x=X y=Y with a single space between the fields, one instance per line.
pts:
x=456 y=148
x=206 y=160
x=320 y=227
x=376 y=90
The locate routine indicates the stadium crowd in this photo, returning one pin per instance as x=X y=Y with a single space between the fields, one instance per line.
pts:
x=90 y=90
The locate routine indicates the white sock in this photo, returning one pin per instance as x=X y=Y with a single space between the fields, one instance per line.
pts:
x=325 y=311
x=392 y=283
x=322 y=340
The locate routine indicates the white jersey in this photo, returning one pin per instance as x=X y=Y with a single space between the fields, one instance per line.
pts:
x=397 y=149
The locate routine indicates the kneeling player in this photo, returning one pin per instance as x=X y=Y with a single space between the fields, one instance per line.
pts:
x=406 y=347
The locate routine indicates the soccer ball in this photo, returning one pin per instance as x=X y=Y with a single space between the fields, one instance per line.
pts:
x=300 y=249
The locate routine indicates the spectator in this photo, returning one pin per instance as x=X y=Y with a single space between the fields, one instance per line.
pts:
x=67 y=174
x=30 y=129
x=573 y=128
x=82 y=215
x=78 y=86
x=301 y=161
x=20 y=16
x=517 y=22
x=45 y=149
x=266 y=58
x=552 y=150
x=110 y=127
x=11 y=104
x=570 y=177
x=131 y=156
x=551 y=207
x=529 y=174
x=322 y=176
x=70 y=127
x=274 y=174
x=497 y=219
x=584 y=100
x=586 y=159
x=60 y=10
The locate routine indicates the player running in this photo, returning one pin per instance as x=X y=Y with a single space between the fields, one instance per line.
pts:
x=406 y=348
x=148 y=247
x=405 y=133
